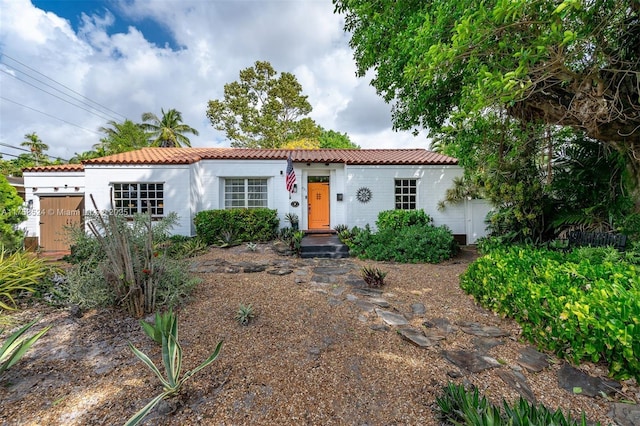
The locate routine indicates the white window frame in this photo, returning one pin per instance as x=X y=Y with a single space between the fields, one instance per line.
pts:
x=405 y=192
x=131 y=198
x=246 y=195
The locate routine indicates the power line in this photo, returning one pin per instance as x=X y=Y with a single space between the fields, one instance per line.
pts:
x=29 y=151
x=56 y=96
x=4 y=55
x=15 y=147
x=49 y=115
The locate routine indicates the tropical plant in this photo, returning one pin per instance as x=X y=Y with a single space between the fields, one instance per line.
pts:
x=459 y=406
x=293 y=219
x=263 y=110
x=168 y=131
x=37 y=148
x=19 y=272
x=258 y=224
x=228 y=238
x=252 y=246
x=121 y=137
x=17 y=344
x=245 y=314
x=172 y=360
x=11 y=214
x=161 y=326
x=373 y=276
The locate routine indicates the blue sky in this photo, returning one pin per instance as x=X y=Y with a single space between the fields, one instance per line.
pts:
x=67 y=67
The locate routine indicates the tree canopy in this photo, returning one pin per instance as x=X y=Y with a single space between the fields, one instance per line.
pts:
x=572 y=63
x=11 y=215
x=122 y=137
x=168 y=131
x=262 y=109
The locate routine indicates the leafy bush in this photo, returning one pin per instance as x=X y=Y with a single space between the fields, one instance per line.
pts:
x=292 y=238
x=19 y=272
x=17 y=344
x=399 y=219
x=11 y=215
x=172 y=360
x=581 y=305
x=459 y=406
x=246 y=224
x=413 y=244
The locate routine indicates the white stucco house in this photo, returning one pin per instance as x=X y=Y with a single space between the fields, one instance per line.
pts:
x=332 y=187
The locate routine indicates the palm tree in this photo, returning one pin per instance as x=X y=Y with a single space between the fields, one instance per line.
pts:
x=168 y=131
x=36 y=146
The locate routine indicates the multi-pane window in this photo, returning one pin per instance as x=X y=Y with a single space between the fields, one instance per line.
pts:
x=132 y=198
x=406 y=193
x=245 y=193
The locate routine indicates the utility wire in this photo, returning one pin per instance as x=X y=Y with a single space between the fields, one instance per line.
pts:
x=4 y=55
x=15 y=147
x=29 y=151
x=49 y=115
x=56 y=96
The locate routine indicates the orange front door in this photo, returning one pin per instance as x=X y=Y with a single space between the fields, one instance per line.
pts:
x=318 y=205
x=57 y=213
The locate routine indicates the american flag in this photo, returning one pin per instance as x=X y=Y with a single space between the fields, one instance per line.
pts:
x=291 y=175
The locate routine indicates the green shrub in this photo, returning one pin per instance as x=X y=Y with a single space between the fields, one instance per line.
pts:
x=246 y=224
x=582 y=305
x=411 y=244
x=459 y=406
x=399 y=219
x=11 y=215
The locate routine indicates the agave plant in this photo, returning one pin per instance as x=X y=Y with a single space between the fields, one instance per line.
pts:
x=245 y=314
x=162 y=326
x=18 y=344
x=373 y=276
x=172 y=360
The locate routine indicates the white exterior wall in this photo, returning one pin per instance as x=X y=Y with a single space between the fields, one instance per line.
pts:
x=177 y=180
x=38 y=184
x=433 y=181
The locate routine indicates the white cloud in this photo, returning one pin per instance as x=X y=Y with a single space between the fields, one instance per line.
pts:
x=130 y=75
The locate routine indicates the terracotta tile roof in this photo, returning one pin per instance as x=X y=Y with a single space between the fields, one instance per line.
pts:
x=348 y=156
x=56 y=168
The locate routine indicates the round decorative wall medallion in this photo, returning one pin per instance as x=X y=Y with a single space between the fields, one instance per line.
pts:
x=364 y=195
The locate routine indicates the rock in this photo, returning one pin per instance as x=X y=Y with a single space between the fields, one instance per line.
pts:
x=330 y=270
x=378 y=301
x=577 y=382
x=365 y=306
x=416 y=337
x=483 y=344
x=380 y=327
x=533 y=360
x=391 y=318
x=470 y=361
x=442 y=324
x=625 y=414
x=477 y=329
x=280 y=272
x=418 y=309
x=518 y=382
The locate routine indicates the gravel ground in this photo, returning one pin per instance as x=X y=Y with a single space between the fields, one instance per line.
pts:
x=311 y=356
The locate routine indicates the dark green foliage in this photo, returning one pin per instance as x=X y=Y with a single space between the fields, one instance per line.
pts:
x=373 y=276
x=581 y=305
x=292 y=238
x=459 y=406
x=246 y=224
x=340 y=228
x=11 y=215
x=397 y=219
x=406 y=244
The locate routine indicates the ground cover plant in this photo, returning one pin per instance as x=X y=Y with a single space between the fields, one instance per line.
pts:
x=582 y=305
x=406 y=236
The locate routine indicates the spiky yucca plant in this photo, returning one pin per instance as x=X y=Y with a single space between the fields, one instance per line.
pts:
x=18 y=344
x=373 y=276
x=172 y=360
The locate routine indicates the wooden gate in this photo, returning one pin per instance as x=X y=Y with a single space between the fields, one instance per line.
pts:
x=55 y=214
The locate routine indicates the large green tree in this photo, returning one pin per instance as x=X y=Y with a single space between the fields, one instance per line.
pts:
x=263 y=109
x=122 y=137
x=572 y=63
x=168 y=131
x=336 y=140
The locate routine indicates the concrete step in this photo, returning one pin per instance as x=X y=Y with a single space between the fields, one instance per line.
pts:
x=324 y=246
